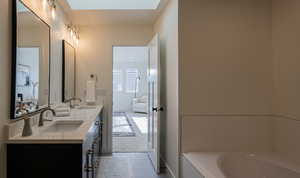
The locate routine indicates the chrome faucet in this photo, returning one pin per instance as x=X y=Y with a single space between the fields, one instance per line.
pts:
x=70 y=101
x=41 y=120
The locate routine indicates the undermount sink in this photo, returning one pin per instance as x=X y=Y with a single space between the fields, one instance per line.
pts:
x=86 y=107
x=64 y=126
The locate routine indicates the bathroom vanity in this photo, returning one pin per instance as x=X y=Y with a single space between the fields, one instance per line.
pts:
x=65 y=147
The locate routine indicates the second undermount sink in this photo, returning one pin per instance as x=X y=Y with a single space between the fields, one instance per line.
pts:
x=86 y=107
x=63 y=126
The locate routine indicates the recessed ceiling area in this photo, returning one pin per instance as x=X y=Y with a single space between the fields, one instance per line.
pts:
x=95 y=16
x=114 y=4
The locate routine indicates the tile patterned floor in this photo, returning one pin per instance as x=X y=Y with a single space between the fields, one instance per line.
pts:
x=132 y=144
x=127 y=165
x=122 y=126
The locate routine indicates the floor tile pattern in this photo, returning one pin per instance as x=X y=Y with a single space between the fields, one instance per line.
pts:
x=121 y=126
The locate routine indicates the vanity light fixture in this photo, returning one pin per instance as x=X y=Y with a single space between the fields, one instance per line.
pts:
x=44 y=4
x=53 y=8
x=74 y=34
x=77 y=36
x=71 y=29
x=71 y=33
x=77 y=40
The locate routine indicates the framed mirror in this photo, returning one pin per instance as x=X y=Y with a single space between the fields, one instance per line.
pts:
x=69 y=71
x=30 y=62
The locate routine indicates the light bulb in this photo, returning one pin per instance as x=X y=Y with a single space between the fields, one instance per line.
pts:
x=72 y=33
x=44 y=4
x=53 y=12
x=77 y=41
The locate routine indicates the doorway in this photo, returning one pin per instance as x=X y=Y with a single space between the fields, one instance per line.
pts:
x=130 y=98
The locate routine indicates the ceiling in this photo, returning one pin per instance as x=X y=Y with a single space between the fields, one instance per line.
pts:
x=100 y=17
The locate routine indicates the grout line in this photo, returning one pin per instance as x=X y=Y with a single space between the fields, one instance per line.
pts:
x=240 y=115
x=282 y=116
x=226 y=114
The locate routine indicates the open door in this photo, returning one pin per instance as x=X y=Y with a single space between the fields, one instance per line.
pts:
x=154 y=103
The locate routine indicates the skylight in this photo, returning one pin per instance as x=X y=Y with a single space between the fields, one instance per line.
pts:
x=113 y=4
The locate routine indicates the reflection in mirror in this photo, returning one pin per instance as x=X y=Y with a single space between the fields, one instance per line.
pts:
x=69 y=68
x=31 y=70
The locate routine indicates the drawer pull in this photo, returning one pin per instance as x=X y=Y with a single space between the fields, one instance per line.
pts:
x=90 y=151
x=88 y=169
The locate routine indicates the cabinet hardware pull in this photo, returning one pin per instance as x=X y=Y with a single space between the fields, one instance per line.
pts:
x=88 y=169
x=90 y=151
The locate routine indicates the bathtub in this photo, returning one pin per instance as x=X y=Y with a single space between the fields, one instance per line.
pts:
x=237 y=165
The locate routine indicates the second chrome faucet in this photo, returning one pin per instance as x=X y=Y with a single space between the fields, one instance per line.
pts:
x=70 y=101
x=41 y=119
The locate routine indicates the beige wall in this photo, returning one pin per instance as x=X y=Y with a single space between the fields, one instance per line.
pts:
x=58 y=32
x=286 y=27
x=225 y=74
x=167 y=28
x=94 y=56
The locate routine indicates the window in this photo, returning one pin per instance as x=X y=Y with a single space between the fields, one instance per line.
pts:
x=132 y=80
x=117 y=80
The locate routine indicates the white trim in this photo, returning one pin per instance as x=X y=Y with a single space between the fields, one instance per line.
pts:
x=192 y=166
x=168 y=169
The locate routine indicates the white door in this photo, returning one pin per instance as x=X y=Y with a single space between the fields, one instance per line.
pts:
x=154 y=103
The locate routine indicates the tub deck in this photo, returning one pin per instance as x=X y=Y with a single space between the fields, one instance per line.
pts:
x=227 y=165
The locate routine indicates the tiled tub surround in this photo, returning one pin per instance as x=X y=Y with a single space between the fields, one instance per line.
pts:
x=286 y=137
x=88 y=116
x=236 y=165
x=229 y=133
x=269 y=133
x=273 y=136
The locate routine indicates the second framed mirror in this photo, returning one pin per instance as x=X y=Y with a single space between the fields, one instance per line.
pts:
x=69 y=71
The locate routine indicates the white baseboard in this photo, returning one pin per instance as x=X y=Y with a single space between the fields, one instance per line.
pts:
x=168 y=169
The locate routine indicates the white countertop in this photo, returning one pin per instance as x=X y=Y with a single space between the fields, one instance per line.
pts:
x=76 y=136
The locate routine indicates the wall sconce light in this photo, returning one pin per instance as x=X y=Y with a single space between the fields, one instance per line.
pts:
x=74 y=34
x=44 y=4
x=52 y=5
x=71 y=30
x=71 y=33
x=77 y=40
x=53 y=8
